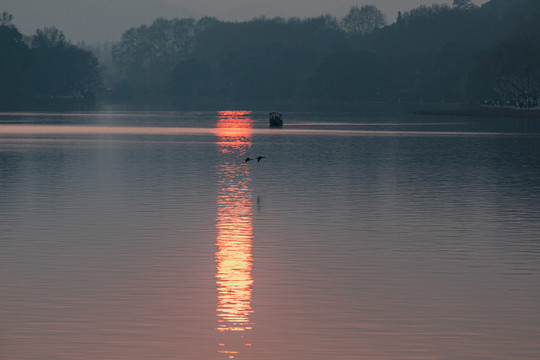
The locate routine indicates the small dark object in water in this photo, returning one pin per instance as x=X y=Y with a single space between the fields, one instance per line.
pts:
x=276 y=120
x=260 y=157
x=248 y=159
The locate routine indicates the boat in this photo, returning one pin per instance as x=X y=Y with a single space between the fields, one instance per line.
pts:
x=275 y=119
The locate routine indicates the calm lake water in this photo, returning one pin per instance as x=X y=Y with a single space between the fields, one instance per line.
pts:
x=145 y=235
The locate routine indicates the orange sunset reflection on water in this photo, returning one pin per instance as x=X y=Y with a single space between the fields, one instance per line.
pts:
x=234 y=130
x=234 y=223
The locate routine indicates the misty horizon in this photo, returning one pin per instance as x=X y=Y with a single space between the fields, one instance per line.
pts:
x=94 y=22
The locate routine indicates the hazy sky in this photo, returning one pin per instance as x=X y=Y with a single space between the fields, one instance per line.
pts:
x=232 y=9
x=96 y=21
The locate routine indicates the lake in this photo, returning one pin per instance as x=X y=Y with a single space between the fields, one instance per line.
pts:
x=146 y=235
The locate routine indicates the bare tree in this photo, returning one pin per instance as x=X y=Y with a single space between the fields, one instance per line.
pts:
x=5 y=19
x=463 y=4
x=363 y=20
x=49 y=38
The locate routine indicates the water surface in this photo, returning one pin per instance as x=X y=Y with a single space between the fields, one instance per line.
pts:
x=145 y=235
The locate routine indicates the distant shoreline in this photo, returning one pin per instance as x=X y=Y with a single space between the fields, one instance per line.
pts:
x=490 y=111
x=383 y=107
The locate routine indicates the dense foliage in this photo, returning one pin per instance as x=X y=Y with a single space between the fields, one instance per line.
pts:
x=432 y=53
x=47 y=69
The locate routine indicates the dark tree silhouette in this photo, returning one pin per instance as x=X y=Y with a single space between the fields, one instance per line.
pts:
x=191 y=80
x=352 y=76
x=509 y=74
x=146 y=55
x=427 y=54
x=49 y=38
x=51 y=69
x=60 y=70
x=363 y=20
x=6 y=19
x=463 y=4
x=14 y=61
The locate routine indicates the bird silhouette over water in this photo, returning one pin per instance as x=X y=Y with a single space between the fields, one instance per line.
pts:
x=259 y=158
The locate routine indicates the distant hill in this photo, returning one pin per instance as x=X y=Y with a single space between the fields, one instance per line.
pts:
x=91 y=21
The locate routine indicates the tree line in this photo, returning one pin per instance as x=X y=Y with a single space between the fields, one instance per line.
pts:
x=440 y=53
x=44 y=67
x=435 y=53
x=258 y=60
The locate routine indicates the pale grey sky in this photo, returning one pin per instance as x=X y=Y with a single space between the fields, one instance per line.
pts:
x=232 y=9
x=96 y=21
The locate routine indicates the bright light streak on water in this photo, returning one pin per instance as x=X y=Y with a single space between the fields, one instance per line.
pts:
x=134 y=130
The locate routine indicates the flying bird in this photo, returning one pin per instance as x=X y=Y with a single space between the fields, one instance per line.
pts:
x=260 y=157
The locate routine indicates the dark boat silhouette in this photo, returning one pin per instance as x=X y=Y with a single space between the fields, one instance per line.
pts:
x=275 y=119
